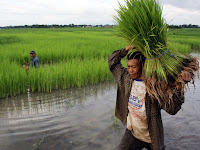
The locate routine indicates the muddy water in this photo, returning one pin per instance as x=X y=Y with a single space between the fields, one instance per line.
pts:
x=83 y=119
x=73 y=119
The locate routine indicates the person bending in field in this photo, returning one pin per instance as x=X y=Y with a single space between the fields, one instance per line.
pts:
x=35 y=62
x=135 y=107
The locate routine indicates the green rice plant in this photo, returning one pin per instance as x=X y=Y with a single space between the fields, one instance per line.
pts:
x=13 y=79
x=55 y=78
x=140 y=22
x=80 y=74
x=54 y=47
x=2 y=87
x=43 y=79
x=194 y=42
x=39 y=87
x=187 y=32
x=32 y=79
x=65 y=79
x=77 y=73
x=70 y=57
x=86 y=73
x=23 y=80
x=102 y=74
x=184 y=48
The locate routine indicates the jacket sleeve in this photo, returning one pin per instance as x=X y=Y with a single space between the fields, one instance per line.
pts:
x=115 y=65
x=175 y=106
x=31 y=64
x=37 y=63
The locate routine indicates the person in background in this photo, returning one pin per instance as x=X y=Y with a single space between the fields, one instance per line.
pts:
x=35 y=62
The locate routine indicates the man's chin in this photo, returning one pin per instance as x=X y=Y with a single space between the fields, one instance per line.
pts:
x=133 y=76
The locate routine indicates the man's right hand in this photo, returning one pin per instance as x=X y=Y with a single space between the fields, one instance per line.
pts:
x=129 y=47
x=27 y=67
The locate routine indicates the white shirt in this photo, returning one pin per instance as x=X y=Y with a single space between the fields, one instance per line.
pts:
x=137 y=119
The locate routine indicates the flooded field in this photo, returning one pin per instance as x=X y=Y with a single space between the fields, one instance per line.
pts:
x=83 y=119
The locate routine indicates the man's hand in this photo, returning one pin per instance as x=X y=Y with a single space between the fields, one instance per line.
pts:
x=129 y=47
x=186 y=76
x=27 y=67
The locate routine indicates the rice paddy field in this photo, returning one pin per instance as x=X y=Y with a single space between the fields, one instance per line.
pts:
x=69 y=57
x=69 y=101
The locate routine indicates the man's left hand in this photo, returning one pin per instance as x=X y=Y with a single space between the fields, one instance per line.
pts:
x=186 y=76
x=27 y=67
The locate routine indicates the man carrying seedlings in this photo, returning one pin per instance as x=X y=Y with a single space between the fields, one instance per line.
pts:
x=135 y=107
x=35 y=62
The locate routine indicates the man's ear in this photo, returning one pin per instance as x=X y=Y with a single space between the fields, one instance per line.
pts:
x=142 y=64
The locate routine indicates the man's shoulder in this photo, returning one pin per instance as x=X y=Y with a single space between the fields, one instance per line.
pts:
x=35 y=58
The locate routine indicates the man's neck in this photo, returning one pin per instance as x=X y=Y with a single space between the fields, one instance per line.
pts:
x=138 y=78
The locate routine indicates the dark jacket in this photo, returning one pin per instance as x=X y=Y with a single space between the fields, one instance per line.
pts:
x=153 y=109
x=35 y=62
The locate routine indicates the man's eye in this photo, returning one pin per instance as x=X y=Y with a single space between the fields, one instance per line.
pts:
x=131 y=67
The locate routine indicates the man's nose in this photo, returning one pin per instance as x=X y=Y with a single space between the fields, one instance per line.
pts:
x=131 y=70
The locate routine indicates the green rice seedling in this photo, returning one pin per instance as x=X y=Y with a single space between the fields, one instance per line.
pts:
x=58 y=46
x=194 y=42
x=141 y=24
x=32 y=79
x=15 y=80
x=43 y=79
x=2 y=87
x=80 y=74
x=86 y=70
x=65 y=79
x=47 y=83
x=94 y=72
x=39 y=87
x=73 y=59
x=188 y=32
x=12 y=76
x=69 y=73
x=64 y=75
x=183 y=48
x=23 y=80
x=72 y=74
x=55 y=78
x=102 y=74
x=50 y=82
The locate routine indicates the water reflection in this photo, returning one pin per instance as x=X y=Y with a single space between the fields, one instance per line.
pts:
x=36 y=103
x=84 y=116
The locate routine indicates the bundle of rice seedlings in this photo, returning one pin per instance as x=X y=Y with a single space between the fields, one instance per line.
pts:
x=140 y=23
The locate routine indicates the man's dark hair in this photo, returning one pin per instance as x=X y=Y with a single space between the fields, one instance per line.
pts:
x=137 y=55
x=32 y=52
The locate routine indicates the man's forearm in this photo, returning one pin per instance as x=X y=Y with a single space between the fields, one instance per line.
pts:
x=115 y=57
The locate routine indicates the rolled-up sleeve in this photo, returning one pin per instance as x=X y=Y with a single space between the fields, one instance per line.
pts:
x=115 y=65
x=177 y=101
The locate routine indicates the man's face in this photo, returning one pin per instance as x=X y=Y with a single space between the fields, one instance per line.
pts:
x=32 y=55
x=134 y=68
